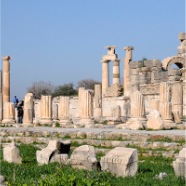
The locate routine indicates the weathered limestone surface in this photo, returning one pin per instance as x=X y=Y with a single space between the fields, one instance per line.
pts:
x=84 y=157
x=11 y=154
x=105 y=76
x=116 y=72
x=46 y=110
x=97 y=101
x=127 y=60
x=6 y=79
x=1 y=97
x=28 y=109
x=9 y=113
x=54 y=148
x=86 y=106
x=179 y=164
x=114 y=91
x=154 y=121
x=121 y=161
x=64 y=110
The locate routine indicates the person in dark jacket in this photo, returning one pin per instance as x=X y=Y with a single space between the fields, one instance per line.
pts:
x=20 y=114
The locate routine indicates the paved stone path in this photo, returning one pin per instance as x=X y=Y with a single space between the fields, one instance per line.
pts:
x=95 y=130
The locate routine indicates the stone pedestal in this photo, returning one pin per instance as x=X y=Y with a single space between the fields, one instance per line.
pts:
x=28 y=110
x=46 y=110
x=97 y=101
x=64 y=110
x=8 y=113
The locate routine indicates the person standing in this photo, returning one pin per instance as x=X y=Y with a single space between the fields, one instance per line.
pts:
x=15 y=101
x=20 y=114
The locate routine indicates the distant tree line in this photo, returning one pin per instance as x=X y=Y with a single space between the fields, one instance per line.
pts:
x=67 y=89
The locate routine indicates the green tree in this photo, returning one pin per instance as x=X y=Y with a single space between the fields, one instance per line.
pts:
x=65 y=90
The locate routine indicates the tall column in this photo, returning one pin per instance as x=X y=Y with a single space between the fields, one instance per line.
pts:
x=28 y=109
x=1 y=97
x=97 y=101
x=137 y=105
x=80 y=97
x=105 y=76
x=9 y=113
x=64 y=110
x=116 y=72
x=86 y=108
x=6 y=79
x=46 y=110
x=127 y=60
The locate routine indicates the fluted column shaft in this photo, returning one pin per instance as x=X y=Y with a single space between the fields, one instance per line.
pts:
x=165 y=104
x=64 y=107
x=28 y=109
x=46 y=109
x=137 y=105
x=97 y=100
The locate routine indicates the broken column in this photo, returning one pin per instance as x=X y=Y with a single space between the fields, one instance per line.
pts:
x=46 y=110
x=28 y=109
x=116 y=72
x=165 y=106
x=127 y=60
x=86 y=106
x=8 y=113
x=97 y=101
x=6 y=79
x=177 y=100
x=11 y=154
x=120 y=161
x=64 y=115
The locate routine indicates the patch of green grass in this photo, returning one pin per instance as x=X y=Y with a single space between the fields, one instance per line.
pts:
x=54 y=174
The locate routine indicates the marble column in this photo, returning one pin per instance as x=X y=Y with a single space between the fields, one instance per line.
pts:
x=28 y=110
x=97 y=101
x=105 y=76
x=177 y=98
x=86 y=108
x=165 y=106
x=127 y=60
x=64 y=115
x=9 y=113
x=46 y=110
x=116 y=72
x=184 y=90
x=80 y=97
x=6 y=79
x=1 y=97
x=137 y=105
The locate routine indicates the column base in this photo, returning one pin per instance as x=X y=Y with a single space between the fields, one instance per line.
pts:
x=65 y=122
x=8 y=121
x=45 y=121
x=27 y=124
x=86 y=121
x=169 y=124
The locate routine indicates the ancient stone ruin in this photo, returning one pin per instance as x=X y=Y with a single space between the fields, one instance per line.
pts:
x=153 y=96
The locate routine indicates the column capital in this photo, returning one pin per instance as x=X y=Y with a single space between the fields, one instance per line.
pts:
x=128 y=48
x=104 y=61
x=6 y=58
x=111 y=49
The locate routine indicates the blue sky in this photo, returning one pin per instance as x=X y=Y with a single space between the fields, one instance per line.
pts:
x=63 y=41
